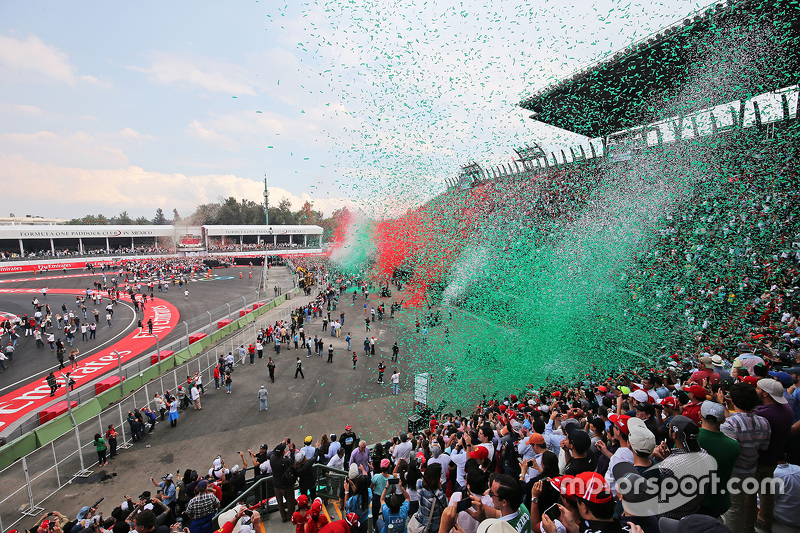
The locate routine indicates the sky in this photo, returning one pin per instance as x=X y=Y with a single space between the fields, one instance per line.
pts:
x=132 y=106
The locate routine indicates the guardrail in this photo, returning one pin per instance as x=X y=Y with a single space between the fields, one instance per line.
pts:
x=38 y=464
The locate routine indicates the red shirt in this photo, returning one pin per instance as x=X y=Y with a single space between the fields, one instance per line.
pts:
x=692 y=411
x=340 y=526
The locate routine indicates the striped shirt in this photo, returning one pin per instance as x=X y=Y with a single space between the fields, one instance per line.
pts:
x=752 y=432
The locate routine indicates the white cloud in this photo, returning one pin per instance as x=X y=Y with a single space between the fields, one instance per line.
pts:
x=129 y=133
x=195 y=72
x=34 y=56
x=209 y=136
x=20 y=108
x=68 y=149
x=65 y=191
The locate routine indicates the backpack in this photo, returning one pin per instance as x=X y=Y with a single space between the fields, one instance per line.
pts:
x=289 y=477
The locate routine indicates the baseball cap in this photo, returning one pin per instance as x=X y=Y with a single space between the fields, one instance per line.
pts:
x=348 y=428
x=592 y=487
x=308 y=439
x=480 y=453
x=264 y=447
x=536 y=438
x=632 y=491
x=697 y=390
x=639 y=395
x=167 y=477
x=751 y=380
x=671 y=402
x=773 y=388
x=352 y=519
x=579 y=439
x=685 y=425
x=495 y=525
x=203 y=485
x=564 y=485
x=694 y=523
x=640 y=439
x=648 y=408
x=713 y=411
x=621 y=421
x=302 y=501
x=624 y=390
x=785 y=378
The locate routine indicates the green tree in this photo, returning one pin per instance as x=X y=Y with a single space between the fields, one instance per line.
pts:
x=160 y=219
x=143 y=221
x=175 y=216
x=101 y=220
x=124 y=219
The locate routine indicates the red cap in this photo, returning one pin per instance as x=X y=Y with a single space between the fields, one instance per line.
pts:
x=751 y=380
x=592 y=487
x=480 y=453
x=556 y=394
x=503 y=408
x=601 y=388
x=348 y=428
x=671 y=402
x=621 y=421
x=521 y=406
x=302 y=501
x=698 y=391
x=352 y=519
x=513 y=398
x=564 y=485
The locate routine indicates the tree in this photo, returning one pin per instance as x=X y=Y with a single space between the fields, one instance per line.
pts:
x=101 y=219
x=160 y=219
x=143 y=221
x=175 y=216
x=124 y=219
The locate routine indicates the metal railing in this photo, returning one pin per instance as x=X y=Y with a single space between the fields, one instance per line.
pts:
x=31 y=480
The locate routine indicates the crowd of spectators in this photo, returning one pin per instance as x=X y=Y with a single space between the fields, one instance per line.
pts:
x=88 y=251
x=218 y=247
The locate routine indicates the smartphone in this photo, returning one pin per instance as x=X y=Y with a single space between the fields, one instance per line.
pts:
x=393 y=481
x=463 y=505
x=553 y=512
x=248 y=512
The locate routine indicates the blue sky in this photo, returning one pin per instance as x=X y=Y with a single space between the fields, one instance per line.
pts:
x=111 y=106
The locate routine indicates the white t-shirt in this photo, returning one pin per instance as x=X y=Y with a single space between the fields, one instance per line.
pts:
x=467 y=523
x=396 y=378
x=403 y=451
x=443 y=460
x=622 y=455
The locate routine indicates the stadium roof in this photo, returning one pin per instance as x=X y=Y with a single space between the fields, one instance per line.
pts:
x=731 y=51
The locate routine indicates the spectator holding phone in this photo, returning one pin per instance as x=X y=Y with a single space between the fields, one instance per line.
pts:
x=394 y=509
